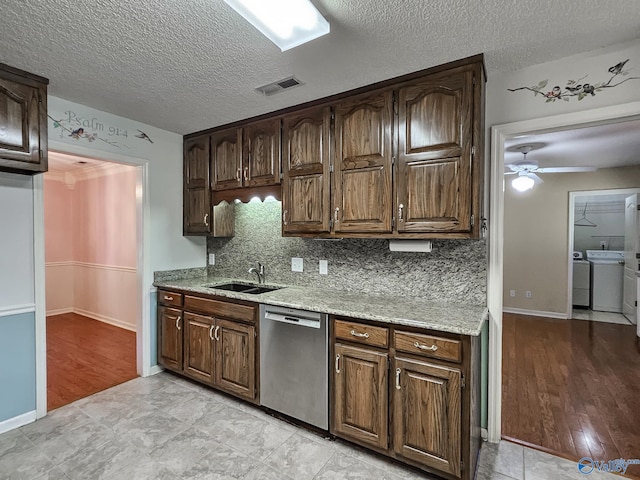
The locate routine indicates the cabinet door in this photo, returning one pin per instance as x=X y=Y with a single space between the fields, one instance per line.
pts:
x=426 y=414
x=198 y=347
x=197 y=200
x=226 y=159
x=23 y=127
x=362 y=198
x=261 y=155
x=236 y=358
x=170 y=338
x=360 y=395
x=305 y=198
x=434 y=188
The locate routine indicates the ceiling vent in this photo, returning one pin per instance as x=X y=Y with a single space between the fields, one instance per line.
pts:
x=279 y=86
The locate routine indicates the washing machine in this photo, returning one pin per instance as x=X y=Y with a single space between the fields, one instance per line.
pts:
x=581 y=280
x=607 y=277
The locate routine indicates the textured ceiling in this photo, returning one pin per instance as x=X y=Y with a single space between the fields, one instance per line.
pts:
x=190 y=65
x=602 y=146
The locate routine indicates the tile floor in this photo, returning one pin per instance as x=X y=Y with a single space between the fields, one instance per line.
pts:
x=606 y=317
x=164 y=427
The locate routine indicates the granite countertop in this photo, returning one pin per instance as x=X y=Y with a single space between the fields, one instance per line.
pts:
x=413 y=312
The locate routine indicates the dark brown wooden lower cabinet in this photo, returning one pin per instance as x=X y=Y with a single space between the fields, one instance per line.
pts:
x=198 y=347
x=427 y=414
x=236 y=358
x=170 y=338
x=361 y=395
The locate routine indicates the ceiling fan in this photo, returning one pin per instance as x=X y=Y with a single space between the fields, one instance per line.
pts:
x=527 y=170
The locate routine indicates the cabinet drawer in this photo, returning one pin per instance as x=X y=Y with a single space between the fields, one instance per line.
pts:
x=428 y=346
x=233 y=311
x=171 y=299
x=362 y=333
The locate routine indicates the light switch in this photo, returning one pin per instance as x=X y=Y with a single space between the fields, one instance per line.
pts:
x=297 y=265
x=212 y=259
x=323 y=267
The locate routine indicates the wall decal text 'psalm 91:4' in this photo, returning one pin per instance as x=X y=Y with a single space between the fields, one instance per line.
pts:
x=579 y=88
x=91 y=129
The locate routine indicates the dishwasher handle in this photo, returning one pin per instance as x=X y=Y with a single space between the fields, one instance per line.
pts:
x=293 y=320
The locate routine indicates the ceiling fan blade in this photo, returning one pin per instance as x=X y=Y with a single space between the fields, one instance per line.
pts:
x=536 y=178
x=513 y=167
x=566 y=169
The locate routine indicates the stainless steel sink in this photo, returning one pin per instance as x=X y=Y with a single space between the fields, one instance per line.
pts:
x=244 y=288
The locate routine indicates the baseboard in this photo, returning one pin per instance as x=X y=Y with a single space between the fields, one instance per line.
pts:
x=59 y=311
x=16 y=422
x=105 y=319
x=155 y=370
x=535 y=313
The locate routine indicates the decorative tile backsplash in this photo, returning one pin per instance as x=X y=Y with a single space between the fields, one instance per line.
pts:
x=455 y=271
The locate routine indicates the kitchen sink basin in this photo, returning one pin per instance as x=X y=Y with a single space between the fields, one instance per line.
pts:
x=244 y=288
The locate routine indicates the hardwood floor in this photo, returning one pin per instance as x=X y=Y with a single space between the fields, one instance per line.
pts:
x=85 y=356
x=572 y=387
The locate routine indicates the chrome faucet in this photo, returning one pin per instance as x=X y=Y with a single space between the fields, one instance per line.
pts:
x=258 y=271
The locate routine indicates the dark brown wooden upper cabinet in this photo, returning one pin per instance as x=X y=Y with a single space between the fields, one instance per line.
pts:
x=23 y=121
x=261 y=154
x=305 y=145
x=362 y=200
x=197 y=197
x=435 y=137
x=226 y=159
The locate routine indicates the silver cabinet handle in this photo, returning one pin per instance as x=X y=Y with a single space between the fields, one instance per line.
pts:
x=215 y=333
x=178 y=318
x=335 y=215
x=211 y=333
x=246 y=173
x=432 y=348
x=400 y=212
x=398 y=372
x=238 y=174
x=168 y=298
x=359 y=335
x=284 y=216
x=206 y=219
x=338 y=363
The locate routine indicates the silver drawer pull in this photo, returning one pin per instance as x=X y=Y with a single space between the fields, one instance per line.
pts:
x=359 y=335
x=338 y=363
x=215 y=333
x=178 y=322
x=211 y=332
x=168 y=298
x=398 y=372
x=432 y=348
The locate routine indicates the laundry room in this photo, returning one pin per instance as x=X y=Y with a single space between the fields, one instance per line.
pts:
x=599 y=229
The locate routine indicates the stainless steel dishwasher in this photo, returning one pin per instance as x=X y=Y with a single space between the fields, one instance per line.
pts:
x=294 y=373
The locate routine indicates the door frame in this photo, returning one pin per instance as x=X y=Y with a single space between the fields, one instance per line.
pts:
x=499 y=134
x=572 y=210
x=143 y=267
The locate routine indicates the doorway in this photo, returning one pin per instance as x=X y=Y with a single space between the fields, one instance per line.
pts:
x=603 y=241
x=91 y=275
x=499 y=326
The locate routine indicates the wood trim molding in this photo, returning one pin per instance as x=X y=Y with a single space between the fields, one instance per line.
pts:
x=17 y=422
x=10 y=310
x=72 y=263
x=535 y=313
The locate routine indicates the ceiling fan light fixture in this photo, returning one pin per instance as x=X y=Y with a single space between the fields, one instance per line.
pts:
x=287 y=23
x=522 y=183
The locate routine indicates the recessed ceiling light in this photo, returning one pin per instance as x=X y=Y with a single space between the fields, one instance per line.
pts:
x=287 y=23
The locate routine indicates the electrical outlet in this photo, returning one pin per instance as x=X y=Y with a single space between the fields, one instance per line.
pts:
x=212 y=259
x=512 y=293
x=528 y=294
x=323 y=267
x=297 y=265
